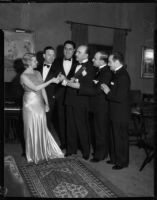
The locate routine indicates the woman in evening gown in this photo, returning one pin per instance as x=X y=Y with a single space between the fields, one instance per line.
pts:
x=39 y=143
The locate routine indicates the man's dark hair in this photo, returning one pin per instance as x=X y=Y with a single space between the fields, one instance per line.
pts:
x=118 y=56
x=70 y=42
x=48 y=48
x=104 y=56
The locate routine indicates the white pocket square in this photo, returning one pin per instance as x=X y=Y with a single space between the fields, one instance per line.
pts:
x=84 y=73
x=95 y=81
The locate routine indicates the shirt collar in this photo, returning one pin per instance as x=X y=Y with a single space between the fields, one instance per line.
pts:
x=118 y=68
x=84 y=61
x=47 y=64
x=69 y=60
x=102 y=66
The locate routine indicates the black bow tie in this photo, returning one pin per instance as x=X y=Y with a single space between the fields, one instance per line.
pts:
x=69 y=59
x=46 y=65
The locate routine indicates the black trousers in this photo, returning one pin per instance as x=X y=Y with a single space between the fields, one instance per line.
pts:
x=119 y=143
x=61 y=123
x=77 y=130
x=101 y=132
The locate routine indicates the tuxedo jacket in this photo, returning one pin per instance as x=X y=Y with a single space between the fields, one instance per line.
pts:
x=50 y=89
x=119 y=96
x=99 y=99
x=60 y=90
x=97 y=96
x=80 y=97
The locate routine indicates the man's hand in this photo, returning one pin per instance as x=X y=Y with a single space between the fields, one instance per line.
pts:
x=72 y=80
x=61 y=77
x=105 y=88
x=73 y=84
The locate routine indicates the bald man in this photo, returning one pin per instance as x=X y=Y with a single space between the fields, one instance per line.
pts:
x=78 y=104
x=99 y=106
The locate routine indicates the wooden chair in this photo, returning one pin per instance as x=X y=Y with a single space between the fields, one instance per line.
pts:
x=149 y=114
x=149 y=148
x=137 y=123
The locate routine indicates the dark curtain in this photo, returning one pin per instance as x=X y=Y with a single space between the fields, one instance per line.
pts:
x=119 y=41
x=79 y=34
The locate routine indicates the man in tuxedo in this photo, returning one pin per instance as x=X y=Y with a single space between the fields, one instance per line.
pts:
x=78 y=104
x=99 y=106
x=65 y=66
x=118 y=95
x=48 y=71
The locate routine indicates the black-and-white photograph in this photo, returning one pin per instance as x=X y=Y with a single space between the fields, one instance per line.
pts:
x=147 y=63
x=79 y=99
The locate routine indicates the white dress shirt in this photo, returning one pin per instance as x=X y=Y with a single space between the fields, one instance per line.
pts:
x=102 y=66
x=45 y=71
x=67 y=66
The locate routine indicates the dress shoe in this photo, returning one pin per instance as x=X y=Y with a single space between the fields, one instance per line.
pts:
x=68 y=154
x=23 y=154
x=94 y=160
x=116 y=167
x=110 y=162
x=86 y=157
x=62 y=147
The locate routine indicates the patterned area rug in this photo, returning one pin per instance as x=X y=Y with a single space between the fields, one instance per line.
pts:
x=65 y=178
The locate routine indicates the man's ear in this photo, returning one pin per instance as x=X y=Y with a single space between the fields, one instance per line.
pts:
x=44 y=56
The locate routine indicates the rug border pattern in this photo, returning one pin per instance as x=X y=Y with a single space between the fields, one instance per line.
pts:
x=85 y=173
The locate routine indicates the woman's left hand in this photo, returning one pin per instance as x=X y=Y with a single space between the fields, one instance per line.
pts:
x=54 y=80
x=47 y=108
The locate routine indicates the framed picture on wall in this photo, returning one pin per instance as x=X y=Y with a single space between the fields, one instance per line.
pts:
x=16 y=44
x=147 y=63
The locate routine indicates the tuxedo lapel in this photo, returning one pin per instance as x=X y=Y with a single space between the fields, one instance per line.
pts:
x=50 y=73
x=98 y=73
x=72 y=70
x=79 y=72
x=62 y=67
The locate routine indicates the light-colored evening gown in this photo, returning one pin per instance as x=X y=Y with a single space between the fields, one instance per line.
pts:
x=39 y=143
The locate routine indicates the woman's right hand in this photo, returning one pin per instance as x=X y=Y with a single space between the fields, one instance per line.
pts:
x=54 y=80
